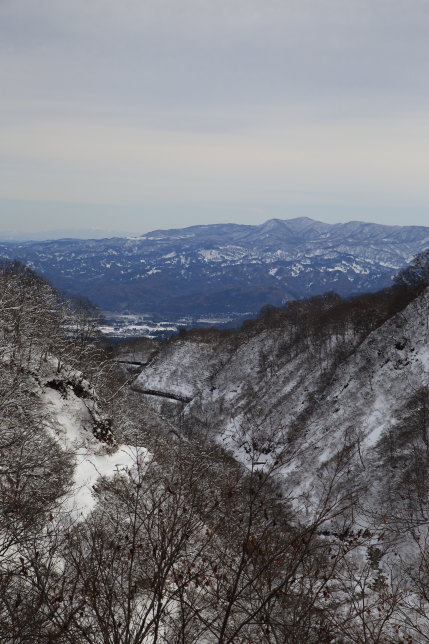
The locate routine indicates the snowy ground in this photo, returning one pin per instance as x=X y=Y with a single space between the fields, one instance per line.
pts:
x=90 y=467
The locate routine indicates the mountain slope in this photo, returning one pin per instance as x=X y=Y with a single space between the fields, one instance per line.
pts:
x=309 y=393
x=332 y=397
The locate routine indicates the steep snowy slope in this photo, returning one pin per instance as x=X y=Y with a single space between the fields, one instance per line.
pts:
x=307 y=401
x=365 y=398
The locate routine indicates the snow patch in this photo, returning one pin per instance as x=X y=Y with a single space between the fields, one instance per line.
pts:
x=71 y=420
x=80 y=499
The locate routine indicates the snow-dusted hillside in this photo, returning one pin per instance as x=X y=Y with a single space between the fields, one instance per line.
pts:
x=318 y=396
x=70 y=415
x=333 y=403
x=45 y=400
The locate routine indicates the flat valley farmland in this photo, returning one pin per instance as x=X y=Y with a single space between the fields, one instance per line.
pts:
x=121 y=325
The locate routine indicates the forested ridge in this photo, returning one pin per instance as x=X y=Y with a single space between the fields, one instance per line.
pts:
x=195 y=539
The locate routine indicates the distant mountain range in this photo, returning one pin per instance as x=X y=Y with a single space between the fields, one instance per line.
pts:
x=226 y=269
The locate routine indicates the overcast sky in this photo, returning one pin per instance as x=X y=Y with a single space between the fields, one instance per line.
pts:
x=146 y=114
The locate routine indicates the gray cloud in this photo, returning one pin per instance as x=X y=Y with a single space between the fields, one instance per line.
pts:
x=216 y=52
x=152 y=101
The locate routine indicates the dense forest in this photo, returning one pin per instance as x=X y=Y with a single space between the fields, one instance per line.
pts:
x=185 y=542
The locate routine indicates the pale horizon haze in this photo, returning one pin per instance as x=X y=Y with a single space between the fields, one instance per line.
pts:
x=127 y=117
